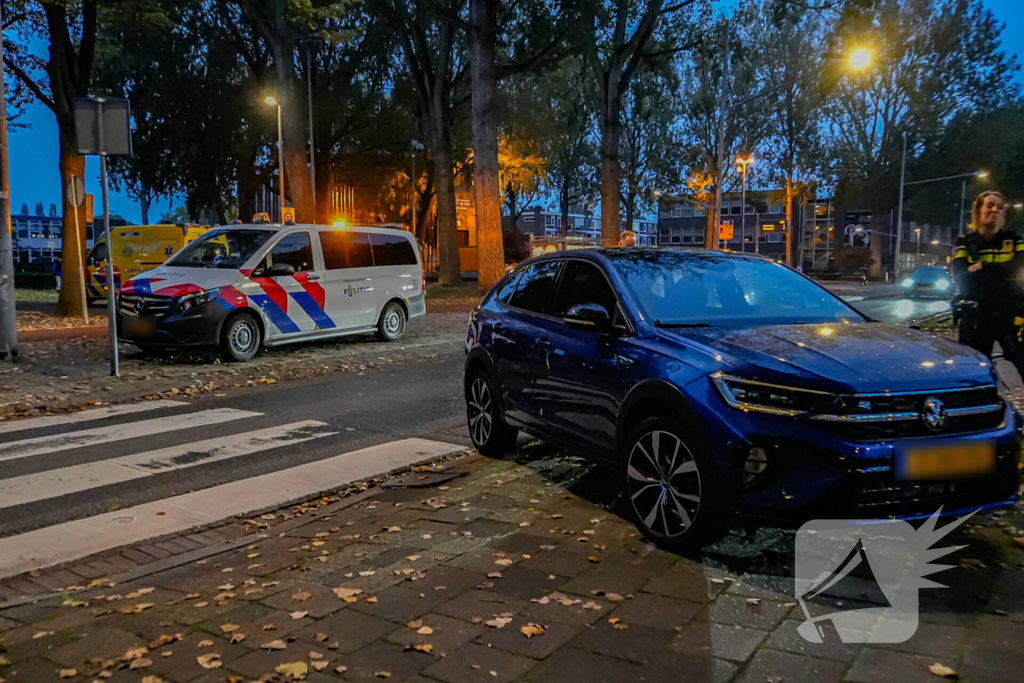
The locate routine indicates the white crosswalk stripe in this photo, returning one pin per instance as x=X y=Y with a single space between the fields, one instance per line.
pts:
x=119 y=432
x=9 y=426
x=60 y=482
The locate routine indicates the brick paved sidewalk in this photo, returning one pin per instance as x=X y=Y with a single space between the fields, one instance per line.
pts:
x=511 y=571
x=65 y=373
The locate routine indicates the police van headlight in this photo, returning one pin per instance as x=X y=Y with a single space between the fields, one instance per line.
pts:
x=190 y=301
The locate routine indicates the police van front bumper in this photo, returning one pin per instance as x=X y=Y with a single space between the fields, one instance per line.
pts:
x=199 y=325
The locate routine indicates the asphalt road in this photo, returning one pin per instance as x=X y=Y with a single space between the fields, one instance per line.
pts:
x=890 y=304
x=419 y=399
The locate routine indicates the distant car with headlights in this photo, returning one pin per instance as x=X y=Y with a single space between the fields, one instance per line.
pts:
x=933 y=281
x=726 y=389
x=241 y=287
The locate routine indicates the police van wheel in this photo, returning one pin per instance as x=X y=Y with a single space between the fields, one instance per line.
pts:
x=240 y=338
x=391 y=326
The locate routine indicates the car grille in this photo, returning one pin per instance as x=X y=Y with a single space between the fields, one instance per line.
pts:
x=876 y=417
x=145 y=304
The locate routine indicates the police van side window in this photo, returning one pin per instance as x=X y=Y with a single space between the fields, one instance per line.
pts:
x=295 y=250
x=346 y=249
x=391 y=250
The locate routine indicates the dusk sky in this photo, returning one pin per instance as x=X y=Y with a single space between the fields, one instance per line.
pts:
x=33 y=151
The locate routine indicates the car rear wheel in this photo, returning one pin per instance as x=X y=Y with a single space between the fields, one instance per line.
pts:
x=391 y=325
x=240 y=338
x=670 y=488
x=490 y=434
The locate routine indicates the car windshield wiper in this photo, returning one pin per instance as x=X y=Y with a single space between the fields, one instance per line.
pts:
x=669 y=323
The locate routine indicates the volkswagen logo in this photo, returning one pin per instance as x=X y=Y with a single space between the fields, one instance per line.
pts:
x=933 y=412
x=140 y=306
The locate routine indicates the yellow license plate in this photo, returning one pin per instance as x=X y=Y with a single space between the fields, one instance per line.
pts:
x=136 y=326
x=957 y=460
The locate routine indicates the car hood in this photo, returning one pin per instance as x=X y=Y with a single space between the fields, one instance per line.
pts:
x=171 y=281
x=861 y=357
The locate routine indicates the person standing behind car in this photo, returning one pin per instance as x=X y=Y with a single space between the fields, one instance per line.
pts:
x=56 y=272
x=987 y=266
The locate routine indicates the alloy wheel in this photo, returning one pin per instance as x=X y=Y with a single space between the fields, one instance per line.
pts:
x=663 y=483
x=479 y=406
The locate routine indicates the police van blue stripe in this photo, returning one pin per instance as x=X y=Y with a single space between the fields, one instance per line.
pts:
x=278 y=317
x=313 y=310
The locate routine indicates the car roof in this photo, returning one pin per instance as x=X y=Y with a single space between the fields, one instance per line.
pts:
x=278 y=227
x=613 y=253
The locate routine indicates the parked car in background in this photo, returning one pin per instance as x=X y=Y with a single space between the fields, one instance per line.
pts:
x=933 y=281
x=725 y=389
x=137 y=249
x=241 y=287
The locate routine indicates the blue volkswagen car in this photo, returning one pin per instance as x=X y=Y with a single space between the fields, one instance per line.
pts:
x=728 y=390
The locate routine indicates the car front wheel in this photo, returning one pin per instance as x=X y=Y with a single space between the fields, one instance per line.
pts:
x=490 y=434
x=669 y=487
x=240 y=338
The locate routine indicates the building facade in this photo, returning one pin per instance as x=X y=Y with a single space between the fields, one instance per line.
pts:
x=541 y=221
x=760 y=227
x=38 y=237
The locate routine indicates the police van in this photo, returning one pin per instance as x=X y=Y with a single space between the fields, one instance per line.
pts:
x=241 y=287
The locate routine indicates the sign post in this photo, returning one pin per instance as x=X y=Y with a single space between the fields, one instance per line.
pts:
x=103 y=127
x=725 y=232
x=76 y=197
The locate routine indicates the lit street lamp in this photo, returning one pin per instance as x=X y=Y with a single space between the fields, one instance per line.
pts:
x=743 y=162
x=860 y=59
x=272 y=101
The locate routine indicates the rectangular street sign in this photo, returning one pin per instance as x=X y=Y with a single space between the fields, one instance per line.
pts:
x=103 y=126
x=725 y=230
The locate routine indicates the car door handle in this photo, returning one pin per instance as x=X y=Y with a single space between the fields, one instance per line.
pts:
x=499 y=327
x=312 y=278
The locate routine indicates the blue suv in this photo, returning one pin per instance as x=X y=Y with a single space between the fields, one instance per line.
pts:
x=729 y=390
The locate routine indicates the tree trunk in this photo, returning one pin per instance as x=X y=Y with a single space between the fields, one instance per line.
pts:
x=71 y=300
x=789 y=219
x=486 y=189
x=611 y=190
x=247 y=183
x=293 y=130
x=711 y=230
x=564 y=205
x=447 y=220
x=630 y=210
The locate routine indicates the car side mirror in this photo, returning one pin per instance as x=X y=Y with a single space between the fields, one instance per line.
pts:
x=593 y=317
x=279 y=269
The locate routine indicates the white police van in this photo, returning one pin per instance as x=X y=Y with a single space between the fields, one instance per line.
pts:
x=242 y=286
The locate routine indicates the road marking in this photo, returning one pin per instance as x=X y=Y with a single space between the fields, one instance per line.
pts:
x=61 y=482
x=84 y=416
x=118 y=432
x=84 y=537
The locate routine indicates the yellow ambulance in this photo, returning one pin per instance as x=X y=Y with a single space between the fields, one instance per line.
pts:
x=137 y=249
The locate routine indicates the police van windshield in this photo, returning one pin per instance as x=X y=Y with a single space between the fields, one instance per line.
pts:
x=221 y=249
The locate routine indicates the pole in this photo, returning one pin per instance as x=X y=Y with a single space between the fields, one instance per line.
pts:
x=963 y=198
x=899 y=208
x=81 y=258
x=111 y=296
x=8 y=316
x=720 y=170
x=280 y=162
x=743 y=216
x=309 y=97
x=412 y=183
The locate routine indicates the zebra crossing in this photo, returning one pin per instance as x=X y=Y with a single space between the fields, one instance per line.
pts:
x=87 y=451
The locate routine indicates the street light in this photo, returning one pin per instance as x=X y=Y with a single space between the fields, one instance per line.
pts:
x=743 y=162
x=272 y=101
x=860 y=59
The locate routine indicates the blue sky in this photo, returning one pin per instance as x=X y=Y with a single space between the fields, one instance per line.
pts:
x=33 y=151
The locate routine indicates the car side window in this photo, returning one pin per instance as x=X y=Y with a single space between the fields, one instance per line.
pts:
x=505 y=293
x=583 y=283
x=392 y=250
x=346 y=249
x=98 y=254
x=536 y=286
x=296 y=250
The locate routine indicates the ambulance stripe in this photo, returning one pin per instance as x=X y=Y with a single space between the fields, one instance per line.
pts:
x=278 y=317
x=314 y=310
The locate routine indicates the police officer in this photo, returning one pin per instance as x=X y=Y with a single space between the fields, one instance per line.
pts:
x=987 y=265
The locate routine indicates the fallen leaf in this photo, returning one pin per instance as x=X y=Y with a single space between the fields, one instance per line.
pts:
x=140 y=663
x=614 y=620
x=503 y=563
x=191 y=596
x=135 y=653
x=315 y=655
x=206 y=643
x=341 y=669
x=368 y=572
x=298 y=615
x=424 y=647
x=269 y=627
x=498 y=622
x=424 y=630
x=228 y=628
x=139 y=593
x=588 y=532
x=412 y=558
x=619 y=627
x=320 y=637
x=347 y=594
x=943 y=671
x=237 y=638
x=541 y=601
x=297 y=670
x=211 y=661
x=494 y=575
x=200 y=604
x=383 y=674
x=372 y=600
x=531 y=630
x=592 y=605
x=753 y=601
x=300 y=597
x=273 y=645
x=320 y=666
x=416 y=623
x=614 y=597
x=152 y=679
x=137 y=609
x=67 y=673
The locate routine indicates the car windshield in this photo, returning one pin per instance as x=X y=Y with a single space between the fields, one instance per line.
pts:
x=681 y=289
x=221 y=249
x=929 y=274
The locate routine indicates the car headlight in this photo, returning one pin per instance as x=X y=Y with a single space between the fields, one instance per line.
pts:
x=908 y=282
x=942 y=285
x=190 y=301
x=759 y=397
